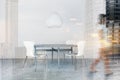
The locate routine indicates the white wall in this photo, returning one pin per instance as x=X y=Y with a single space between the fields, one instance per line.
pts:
x=34 y=13
x=2 y=25
x=8 y=28
x=2 y=21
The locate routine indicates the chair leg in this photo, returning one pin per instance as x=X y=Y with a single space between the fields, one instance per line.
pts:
x=75 y=63
x=72 y=59
x=46 y=68
x=85 y=61
x=35 y=63
x=25 y=61
x=64 y=56
x=52 y=55
x=46 y=63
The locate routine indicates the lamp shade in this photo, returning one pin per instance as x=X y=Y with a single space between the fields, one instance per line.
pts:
x=54 y=20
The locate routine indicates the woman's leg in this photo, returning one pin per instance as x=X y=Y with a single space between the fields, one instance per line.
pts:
x=93 y=65
x=107 y=63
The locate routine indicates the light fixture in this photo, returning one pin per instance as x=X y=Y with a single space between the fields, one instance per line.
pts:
x=73 y=19
x=79 y=24
x=55 y=20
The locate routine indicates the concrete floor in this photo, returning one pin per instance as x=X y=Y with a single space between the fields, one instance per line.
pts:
x=13 y=70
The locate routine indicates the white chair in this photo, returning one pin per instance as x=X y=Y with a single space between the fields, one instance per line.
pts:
x=70 y=42
x=29 y=45
x=80 y=51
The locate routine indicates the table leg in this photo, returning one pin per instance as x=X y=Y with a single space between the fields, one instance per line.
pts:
x=58 y=56
x=35 y=62
x=72 y=56
x=52 y=54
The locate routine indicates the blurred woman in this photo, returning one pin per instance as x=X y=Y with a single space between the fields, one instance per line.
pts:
x=104 y=48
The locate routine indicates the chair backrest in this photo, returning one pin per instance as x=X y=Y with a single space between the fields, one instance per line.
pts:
x=81 y=47
x=29 y=45
x=70 y=42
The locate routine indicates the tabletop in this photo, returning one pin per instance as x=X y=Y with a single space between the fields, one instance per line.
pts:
x=55 y=45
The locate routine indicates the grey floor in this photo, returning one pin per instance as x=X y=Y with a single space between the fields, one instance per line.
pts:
x=13 y=70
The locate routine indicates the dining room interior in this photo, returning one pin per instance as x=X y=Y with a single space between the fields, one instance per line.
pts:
x=59 y=39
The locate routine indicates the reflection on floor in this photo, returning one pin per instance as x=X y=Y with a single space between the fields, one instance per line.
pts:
x=13 y=70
